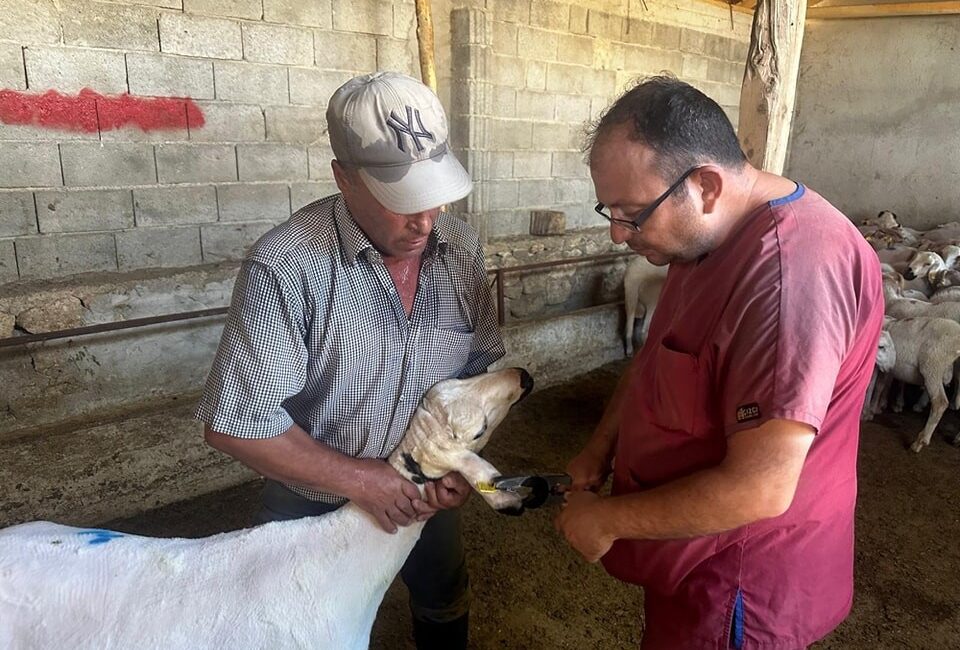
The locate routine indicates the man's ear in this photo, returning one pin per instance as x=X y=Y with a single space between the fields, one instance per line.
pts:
x=710 y=181
x=345 y=181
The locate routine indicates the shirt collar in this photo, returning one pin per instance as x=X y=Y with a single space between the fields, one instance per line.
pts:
x=355 y=241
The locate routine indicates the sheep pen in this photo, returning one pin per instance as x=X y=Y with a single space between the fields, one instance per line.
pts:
x=531 y=591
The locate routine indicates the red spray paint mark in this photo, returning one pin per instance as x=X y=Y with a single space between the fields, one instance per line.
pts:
x=90 y=111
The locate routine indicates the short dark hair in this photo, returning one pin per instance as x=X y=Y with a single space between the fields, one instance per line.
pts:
x=682 y=125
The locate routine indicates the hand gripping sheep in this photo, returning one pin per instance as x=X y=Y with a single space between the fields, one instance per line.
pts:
x=309 y=583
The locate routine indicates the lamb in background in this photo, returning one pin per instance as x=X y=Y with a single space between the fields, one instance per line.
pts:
x=642 y=282
x=309 y=583
x=923 y=352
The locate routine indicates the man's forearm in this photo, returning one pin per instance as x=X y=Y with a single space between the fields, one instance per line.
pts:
x=293 y=457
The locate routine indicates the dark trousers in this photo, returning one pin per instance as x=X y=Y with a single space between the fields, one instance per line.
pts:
x=435 y=571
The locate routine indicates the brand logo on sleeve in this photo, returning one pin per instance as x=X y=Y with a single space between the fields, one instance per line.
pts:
x=748 y=412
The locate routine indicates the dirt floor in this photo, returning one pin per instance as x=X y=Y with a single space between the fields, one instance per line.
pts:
x=531 y=591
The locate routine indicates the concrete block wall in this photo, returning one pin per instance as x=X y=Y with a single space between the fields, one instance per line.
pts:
x=539 y=71
x=259 y=73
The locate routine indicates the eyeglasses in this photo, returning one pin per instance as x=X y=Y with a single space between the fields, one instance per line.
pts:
x=637 y=221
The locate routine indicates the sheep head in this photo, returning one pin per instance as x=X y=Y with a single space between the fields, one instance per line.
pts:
x=453 y=423
x=886 y=352
x=922 y=264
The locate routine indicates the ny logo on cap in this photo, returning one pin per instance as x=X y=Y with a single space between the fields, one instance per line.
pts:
x=400 y=127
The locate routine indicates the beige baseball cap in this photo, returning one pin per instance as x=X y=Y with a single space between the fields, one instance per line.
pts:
x=392 y=128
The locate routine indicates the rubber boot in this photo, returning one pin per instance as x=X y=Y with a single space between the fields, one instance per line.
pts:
x=451 y=635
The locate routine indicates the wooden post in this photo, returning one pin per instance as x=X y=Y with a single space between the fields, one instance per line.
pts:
x=770 y=82
x=428 y=68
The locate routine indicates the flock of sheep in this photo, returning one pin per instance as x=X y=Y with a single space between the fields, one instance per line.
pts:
x=920 y=343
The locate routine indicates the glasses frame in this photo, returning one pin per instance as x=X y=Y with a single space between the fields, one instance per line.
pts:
x=635 y=223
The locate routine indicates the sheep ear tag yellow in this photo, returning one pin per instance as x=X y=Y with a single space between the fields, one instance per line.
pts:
x=485 y=488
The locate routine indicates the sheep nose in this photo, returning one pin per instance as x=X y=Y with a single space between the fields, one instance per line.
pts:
x=908 y=275
x=526 y=382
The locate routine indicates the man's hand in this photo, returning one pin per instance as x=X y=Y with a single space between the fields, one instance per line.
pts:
x=581 y=522
x=589 y=469
x=384 y=493
x=451 y=491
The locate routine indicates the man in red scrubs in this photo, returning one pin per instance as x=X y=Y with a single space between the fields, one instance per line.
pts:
x=732 y=436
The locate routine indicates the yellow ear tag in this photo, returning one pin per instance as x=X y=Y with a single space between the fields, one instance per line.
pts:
x=484 y=487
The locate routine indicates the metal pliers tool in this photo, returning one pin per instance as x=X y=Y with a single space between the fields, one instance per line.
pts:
x=533 y=489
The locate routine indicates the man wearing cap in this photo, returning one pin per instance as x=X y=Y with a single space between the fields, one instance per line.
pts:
x=342 y=318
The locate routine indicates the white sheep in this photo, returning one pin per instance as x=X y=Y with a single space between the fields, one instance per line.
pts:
x=309 y=583
x=886 y=357
x=923 y=352
x=642 y=282
x=898 y=306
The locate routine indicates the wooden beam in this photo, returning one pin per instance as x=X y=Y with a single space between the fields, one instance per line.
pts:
x=886 y=10
x=770 y=82
x=727 y=5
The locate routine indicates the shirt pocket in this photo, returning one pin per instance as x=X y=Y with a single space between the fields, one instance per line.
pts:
x=678 y=391
x=446 y=352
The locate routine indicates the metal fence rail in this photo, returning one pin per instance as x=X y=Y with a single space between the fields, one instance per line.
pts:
x=498 y=274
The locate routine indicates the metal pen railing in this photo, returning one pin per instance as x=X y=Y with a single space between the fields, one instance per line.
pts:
x=499 y=275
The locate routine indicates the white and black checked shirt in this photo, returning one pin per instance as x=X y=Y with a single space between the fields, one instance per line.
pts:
x=316 y=334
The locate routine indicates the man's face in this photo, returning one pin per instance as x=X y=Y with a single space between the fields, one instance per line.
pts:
x=398 y=236
x=627 y=180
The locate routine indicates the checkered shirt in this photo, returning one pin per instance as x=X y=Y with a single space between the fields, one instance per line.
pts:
x=317 y=335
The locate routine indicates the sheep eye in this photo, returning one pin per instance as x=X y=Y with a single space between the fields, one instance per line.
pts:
x=483 y=430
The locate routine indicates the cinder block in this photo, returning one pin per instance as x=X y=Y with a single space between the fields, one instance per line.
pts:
x=569 y=165
x=559 y=137
x=200 y=36
x=505 y=38
x=147 y=248
x=272 y=162
x=8 y=262
x=535 y=106
x=263 y=43
x=260 y=202
x=564 y=78
x=51 y=256
x=500 y=195
x=230 y=241
x=702 y=43
x=535 y=194
x=550 y=15
x=306 y=124
x=170 y=76
x=509 y=71
x=404 y=21
x=510 y=135
x=175 y=206
x=368 y=16
x=343 y=51
x=650 y=60
x=30 y=22
x=607 y=55
x=319 y=158
x=314 y=87
x=196 y=163
x=401 y=56
x=69 y=70
x=313 y=13
x=94 y=24
x=739 y=51
x=665 y=37
x=166 y=4
x=90 y=164
x=84 y=210
x=576 y=49
x=531 y=164
x=500 y=164
x=573 y=109
x=224 y=122
x=250 y=82
x=536 y=75
x=575 y=191
x=12 y=74
x=511 y=11
x=18 y=215
x=229 y=8
x=537 y=44
x=503 y=102
x=578 y=19
x=25 y=164
x=302 y=194
x=604 y=25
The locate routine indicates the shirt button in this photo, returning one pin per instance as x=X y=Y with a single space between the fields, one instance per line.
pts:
x=401 y=398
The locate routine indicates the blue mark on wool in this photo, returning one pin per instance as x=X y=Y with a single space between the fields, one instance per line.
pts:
x=98 y=536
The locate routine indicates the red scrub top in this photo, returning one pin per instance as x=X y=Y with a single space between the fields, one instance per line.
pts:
x=780 y=322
